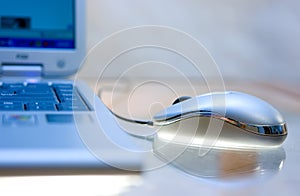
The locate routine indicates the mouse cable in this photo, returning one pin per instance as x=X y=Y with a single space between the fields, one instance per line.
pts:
x=135 y=121
x=142 y=122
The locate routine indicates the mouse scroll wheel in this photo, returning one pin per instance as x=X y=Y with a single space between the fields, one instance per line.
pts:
x=181 y=99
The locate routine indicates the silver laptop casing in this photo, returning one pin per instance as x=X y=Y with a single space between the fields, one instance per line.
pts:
x=78 y=142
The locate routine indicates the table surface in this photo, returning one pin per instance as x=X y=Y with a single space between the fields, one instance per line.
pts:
x=274 y=172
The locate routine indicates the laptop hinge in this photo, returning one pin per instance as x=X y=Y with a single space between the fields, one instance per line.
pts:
x=26 y=70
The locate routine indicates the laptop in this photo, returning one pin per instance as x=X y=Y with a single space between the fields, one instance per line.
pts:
x=49 y=124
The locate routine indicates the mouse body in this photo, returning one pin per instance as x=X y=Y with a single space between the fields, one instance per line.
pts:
x=248 y=120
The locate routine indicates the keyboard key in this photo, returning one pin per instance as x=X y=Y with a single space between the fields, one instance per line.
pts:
x=11 y=106
x=37 y=85
x=12 y=86
x=40 y=106
x=62 y=86
x=27 y=98
x=71 y=107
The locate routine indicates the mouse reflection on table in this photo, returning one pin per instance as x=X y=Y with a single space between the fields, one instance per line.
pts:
x=248 y=142
x=219 y=134
x=223 y=164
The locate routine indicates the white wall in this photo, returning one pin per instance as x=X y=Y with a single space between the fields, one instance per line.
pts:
x=250 y=38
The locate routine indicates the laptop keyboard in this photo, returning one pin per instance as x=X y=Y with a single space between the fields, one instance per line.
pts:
x=40 y=97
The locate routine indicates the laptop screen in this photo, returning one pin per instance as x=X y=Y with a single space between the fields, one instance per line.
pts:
x=37 y=24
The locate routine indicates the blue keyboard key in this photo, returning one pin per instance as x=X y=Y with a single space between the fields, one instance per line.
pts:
x=40 y=106
x=11 y=106
x=71 y=107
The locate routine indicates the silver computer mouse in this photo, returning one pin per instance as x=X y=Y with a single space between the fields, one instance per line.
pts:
x=248 y=120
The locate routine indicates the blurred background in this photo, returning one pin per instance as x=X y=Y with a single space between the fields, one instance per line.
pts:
x=250 y=39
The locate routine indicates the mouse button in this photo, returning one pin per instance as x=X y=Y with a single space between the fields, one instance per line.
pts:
x=214 y=102
x=248 y=109
x=181 y=99
x=207 y=103
x=178 y=110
